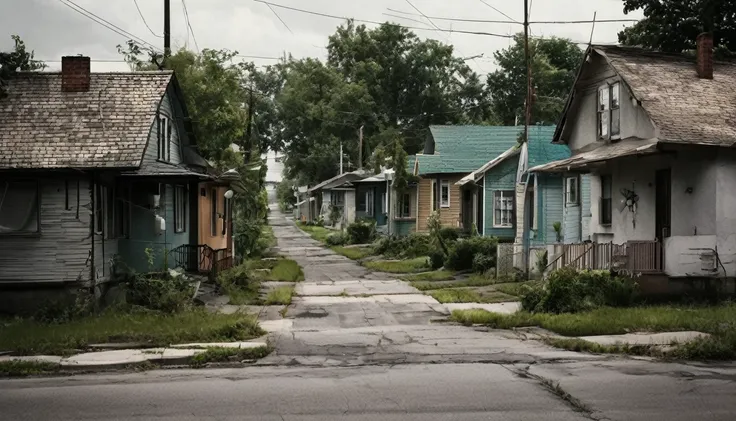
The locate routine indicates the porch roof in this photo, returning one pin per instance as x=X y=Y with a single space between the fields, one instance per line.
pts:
x=477 y=174
x=605 y=152
x=164 y=169
x=339 y=180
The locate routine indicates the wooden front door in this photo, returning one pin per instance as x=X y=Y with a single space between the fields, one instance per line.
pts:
x=663 y=204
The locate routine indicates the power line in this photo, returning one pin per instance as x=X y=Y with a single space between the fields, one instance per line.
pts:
x=189 y=24
x=326 y=15
x=538 y=22
x=111 y=26
x=258 y=57
x=497 y=10
x=279 y=18
x=144 y=20
x=441 y=18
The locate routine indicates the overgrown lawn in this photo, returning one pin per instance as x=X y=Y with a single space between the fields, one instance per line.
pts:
x=455 y=295
x=354 y=253
x=280 y=295
x=434 y=276
x=399 y=266
x=316 y=232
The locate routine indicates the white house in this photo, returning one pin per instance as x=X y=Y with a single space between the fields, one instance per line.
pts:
x=655 y=135
x=274 y=173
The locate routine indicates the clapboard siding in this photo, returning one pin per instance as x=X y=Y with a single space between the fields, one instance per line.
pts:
x=61 y=252
x=167 y=110
x=501 y=177
x=450 y=217
x=586 y=215
x=549 y=206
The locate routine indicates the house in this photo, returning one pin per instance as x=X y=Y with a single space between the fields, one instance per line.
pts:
x=654 y=133
x=402 y=218
x=372 y=199
x=100 y=175
x=215 y=219
x=500 y=189
x=337 y=193
x=274 y=175
x=301 y=209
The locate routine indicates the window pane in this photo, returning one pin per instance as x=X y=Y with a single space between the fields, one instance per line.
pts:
x=18 y=207
x=603 y=121
x=615 y=121
x=615 y=96
x=603 y=100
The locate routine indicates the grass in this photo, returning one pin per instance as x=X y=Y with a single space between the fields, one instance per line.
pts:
x=318 y=233
x=354 y=253
x=222 y=354
x=512 y=288
x=581 y=345
x=267 y=238
x=18 y=368
x=468 y=296
x=240 y=284
x=286 y=270
x=399 y=266
x=281 y=295
x=28 y=337
x=435 y=276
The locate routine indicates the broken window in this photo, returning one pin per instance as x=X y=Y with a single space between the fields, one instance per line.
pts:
x=18 y=207
x=609 y=111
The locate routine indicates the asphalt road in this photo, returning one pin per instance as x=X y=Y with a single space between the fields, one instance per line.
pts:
x=615 y=391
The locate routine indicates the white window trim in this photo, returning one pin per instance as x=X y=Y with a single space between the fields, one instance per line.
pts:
x=513 y=196
x=609 y=87
x=370 y=204
x=164 y=138
x=180 y=215
x=568 y=202
x=443 y=184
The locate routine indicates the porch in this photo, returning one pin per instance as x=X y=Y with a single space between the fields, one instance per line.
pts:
x=632 y=258
x=203 y=259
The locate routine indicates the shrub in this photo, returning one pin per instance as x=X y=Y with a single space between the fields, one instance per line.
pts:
x=436 y=259
x=160 y=292
x=362 y=232
x=61 y=311
x=482 y=263
x=337 y=239
x=571 y=291
x=463 y=253
x=449 y=235
x=410 y=246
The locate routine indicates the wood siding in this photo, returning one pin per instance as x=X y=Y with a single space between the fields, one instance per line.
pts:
x=218 y=241
x=549 y=208
x=451 y=217
x=60 y=253
x=166 y=109
x=502 y=177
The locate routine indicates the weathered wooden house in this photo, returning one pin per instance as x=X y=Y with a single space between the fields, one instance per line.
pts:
x=99 y=173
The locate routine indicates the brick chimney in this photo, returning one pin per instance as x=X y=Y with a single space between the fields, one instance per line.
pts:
x=75 y=74
x=705 y=55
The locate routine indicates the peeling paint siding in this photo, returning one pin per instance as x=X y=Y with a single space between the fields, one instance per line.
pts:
x=167 y=110
x=61 y=252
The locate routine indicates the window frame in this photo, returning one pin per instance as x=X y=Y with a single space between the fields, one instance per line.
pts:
x=568 y=190
x=99 y=209
x=404 y=205
x=121 y=221
x=503 y=194
x=164 y=137
x=608 y=110
x=370 y=204
x=443 y=184
x=433 y=196
x=37 y=208
x=180 y=208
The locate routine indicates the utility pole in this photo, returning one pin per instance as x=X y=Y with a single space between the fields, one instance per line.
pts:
x=341 y=171
x=360 y=148
x=528 y=104
x=167 y=29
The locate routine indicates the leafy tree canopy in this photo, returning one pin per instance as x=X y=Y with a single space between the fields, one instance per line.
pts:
x=16 y=60
x=554 y=65
x=673 y=25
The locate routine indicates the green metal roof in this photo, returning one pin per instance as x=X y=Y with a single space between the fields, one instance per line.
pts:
x=541 y=149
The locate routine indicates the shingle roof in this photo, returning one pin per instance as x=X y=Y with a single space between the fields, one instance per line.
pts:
x=105 y=127
x=685 y=108
x=163 y=169
x=462 y=149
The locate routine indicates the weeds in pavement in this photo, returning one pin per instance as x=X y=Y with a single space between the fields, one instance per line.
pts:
x=17 y=368
x=354 y=253
x=434 y=276
x=454 y=295
x=280 y=295
x=223 y=354
x=399 y=266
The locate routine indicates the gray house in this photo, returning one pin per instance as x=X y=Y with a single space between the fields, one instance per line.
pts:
x=654 y=133
x=98 y=174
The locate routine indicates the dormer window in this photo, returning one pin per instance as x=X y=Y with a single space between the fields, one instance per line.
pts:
x=164 y=138
x=609 y=111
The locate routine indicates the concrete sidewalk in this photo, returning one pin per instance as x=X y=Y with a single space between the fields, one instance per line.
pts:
x=122 y=358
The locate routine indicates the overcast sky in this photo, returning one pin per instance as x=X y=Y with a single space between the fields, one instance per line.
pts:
x=52 y=29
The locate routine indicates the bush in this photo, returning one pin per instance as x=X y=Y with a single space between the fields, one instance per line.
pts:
x=337 y=239
x=160 y=292
x=463 y=253
x=410 y=246
x=482 y=263
x=572 y=291
x=61 y=311
x=449 y=235
x=362 y=232
x=436 y=259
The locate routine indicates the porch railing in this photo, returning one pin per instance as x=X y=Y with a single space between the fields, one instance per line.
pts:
x=202 y=259
x=632 y=257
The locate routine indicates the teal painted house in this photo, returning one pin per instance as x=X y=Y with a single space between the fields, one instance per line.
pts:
x=514 y=204
x=371 y=199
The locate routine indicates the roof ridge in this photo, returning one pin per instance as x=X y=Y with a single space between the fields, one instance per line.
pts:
x=137 y=73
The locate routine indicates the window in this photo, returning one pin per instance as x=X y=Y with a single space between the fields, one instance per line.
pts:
x=164 y=138
x=369 y=204
x=606 y=200
x=226 y=215
x=362 y=202
x=405 y=206
x=99 y=198
x=445 y=193
x=180 y=208
x=213 y=213
x=503 y=208
x=433 y=196
x=572 y=190
x=18 y=207
x=384 y=202
x=337 y=198
x=609 y=111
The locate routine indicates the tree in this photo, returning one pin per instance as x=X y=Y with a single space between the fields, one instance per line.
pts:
x=17 y=60
x=285 y=194
x=554 y=65
x=673 y=25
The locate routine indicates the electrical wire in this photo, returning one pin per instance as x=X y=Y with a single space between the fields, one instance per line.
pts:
x=189 y=25
x=326 y=15
x=279 y=18
x=539 y=22
x=497 y=10
x=89 y=15
x=144 y=20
